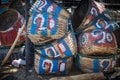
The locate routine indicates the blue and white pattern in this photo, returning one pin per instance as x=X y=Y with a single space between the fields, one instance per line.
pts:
x=104 y=21
x=41 y=6
x=50 y=66
x=62 y=48
x=41 y=23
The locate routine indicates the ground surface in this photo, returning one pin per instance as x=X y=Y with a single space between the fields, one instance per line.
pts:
x=9 y=72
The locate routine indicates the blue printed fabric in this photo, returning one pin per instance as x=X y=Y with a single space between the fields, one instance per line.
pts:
x=41 y=23
x=104 y=21
x=42 y=6
x=48 y=66
x=59 y=50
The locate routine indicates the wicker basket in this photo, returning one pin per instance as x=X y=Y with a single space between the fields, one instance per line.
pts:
x=46 y=27
x=61 y=48
x=84 y=13
x=97 y=42
x=17 y=53
x=41 y=6
x=88 y=64
x=11 y=21
x=103 y=21
x=52 y=66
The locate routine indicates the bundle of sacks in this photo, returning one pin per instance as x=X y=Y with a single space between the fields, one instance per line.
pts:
x=97 y=45
x=10 y=22
x=50 y=30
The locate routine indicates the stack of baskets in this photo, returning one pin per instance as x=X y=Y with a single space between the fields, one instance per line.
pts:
x=11 y=21
x=49 y=29
x=97 y=44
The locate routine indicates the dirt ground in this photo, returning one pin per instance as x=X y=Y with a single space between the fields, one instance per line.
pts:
x=9 y=72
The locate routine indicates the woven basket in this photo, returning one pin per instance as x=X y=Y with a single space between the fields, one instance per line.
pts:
x=103 y=21
x=17 y=53
x=52 y=66
x=61 y=48
x=42 y=27
x=84 y=13
x=90 y=64
x=97 y=42
x=11 y=21
x=41 y=6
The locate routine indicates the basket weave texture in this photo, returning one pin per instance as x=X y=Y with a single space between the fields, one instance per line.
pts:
x=96 y=64
x=52 y=66
x=97 y=42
